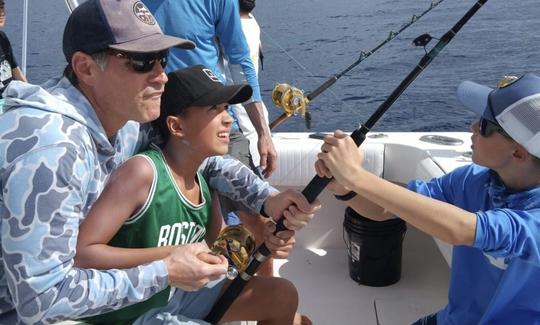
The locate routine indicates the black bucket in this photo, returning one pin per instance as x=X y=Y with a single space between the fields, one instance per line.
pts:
x=374 y=249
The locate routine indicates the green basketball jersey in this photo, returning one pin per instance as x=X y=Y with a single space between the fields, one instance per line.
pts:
x=167 y=218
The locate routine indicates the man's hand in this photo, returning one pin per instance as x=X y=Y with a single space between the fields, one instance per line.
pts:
x=191 y=267
x=279 y=244
x=265 y=145
x=293 y=206
x=268 y=155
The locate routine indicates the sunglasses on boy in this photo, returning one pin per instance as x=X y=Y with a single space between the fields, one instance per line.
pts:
x=143 y=62
x=487 y=128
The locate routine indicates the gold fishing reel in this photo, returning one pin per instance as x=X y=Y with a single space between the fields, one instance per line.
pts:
x=237 y=244
x=290 y=99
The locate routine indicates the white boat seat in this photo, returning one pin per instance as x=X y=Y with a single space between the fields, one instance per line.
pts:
x=297 y=155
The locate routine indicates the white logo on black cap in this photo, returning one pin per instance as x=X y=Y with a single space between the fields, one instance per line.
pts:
x=143 y=14
x=211 y=75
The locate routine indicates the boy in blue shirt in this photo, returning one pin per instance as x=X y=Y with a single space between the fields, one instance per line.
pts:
x=489 y=210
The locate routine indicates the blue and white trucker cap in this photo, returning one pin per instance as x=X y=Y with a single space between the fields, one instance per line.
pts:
x=514 y=105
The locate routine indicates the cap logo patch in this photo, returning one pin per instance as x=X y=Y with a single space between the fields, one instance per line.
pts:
x=506 y=81
x=143 y=14
x=211 y=75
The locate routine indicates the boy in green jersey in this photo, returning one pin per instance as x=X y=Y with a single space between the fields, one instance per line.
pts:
x=157 y=201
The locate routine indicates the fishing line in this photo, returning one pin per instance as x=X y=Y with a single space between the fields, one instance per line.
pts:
x=317 y=184
x=284 y=51
x=296 y=102
x=292 y=99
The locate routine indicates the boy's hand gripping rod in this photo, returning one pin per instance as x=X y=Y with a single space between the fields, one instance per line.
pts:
x=317 y=184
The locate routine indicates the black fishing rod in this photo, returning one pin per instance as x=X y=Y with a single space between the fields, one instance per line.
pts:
x=317 y=184
x=292 y=99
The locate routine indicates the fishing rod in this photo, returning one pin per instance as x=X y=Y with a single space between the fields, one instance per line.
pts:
x=317 y=184
x=292 y=99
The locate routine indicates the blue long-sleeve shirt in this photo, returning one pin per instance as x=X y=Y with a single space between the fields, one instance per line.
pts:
x=496 y=281
x=202 y=21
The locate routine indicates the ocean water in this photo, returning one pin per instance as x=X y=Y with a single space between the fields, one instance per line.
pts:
x=307 y=41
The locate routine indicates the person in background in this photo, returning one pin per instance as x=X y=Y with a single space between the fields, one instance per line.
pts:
x=206 y=23
x=59 y=144
x=489 y=210
x=252 y=32
x=9 y=70
x=215 y=28
x=171 y=206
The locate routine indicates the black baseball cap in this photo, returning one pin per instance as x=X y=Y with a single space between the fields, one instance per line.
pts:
x=126 y=25
x=198 y=86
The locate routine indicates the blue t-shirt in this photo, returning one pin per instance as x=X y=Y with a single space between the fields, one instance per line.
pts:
x=497 y=280
x=201 y=21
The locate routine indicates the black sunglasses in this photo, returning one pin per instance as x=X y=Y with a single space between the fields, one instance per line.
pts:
x=487 y=128
x=143 y=62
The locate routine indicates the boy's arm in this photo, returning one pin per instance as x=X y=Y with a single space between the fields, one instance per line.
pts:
x=360 y=204
x=124 y=195
x=341 y=159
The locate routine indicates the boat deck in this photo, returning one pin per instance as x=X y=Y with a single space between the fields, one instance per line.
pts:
x=318 y=266
x=329 y=296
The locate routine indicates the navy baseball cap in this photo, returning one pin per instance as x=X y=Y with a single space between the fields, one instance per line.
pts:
x=198 y=86
x=125 y=25
x=514 y=105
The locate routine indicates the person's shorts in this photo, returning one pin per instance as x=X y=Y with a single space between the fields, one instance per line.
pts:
x=239 y=148
x=186 y=308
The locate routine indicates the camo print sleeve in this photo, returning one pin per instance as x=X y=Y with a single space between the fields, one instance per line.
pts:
x=44 y=197
x=234 y=180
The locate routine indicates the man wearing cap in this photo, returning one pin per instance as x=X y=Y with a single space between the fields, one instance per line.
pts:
x=489 y=210
x=58 y=146
x=9 y=70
